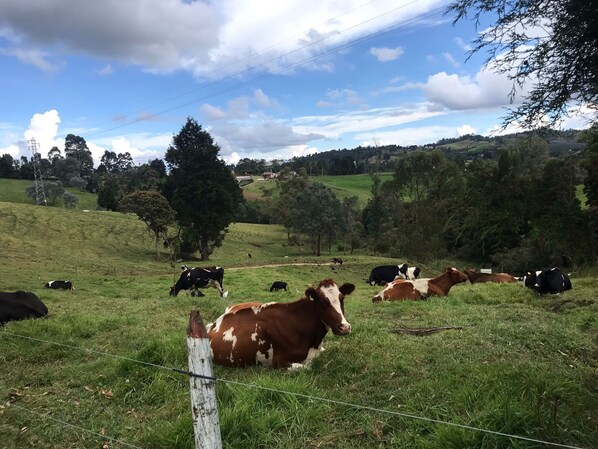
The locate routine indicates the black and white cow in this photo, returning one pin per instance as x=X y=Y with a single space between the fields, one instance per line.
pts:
x=548 y=280
x=20 y=305
x=199 y=277
x=278 y=285
x=384 y=274
x=60 y=285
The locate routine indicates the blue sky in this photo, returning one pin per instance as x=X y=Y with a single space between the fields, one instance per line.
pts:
x=267 y=79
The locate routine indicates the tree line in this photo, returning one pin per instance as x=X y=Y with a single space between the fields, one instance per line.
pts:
x=520 y=210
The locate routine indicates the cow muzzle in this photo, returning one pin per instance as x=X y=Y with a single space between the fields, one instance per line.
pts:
x=343 y=329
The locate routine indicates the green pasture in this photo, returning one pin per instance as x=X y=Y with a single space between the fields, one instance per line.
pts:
x=13 y=191
x=343 y=186
x=515 y=364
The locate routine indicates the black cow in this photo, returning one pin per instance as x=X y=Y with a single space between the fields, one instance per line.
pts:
x=194 y=278
x=548 y=280
x=61 y=285
x=337 y=260
x=384 y=274
x=20 y=306
x=278 y=285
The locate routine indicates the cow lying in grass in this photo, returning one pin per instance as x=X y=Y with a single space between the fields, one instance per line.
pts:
x=476 y=277
x=421 y=288
x=20 y=305
x=281 y=335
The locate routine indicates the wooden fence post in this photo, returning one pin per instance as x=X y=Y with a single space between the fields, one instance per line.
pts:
x=206 y=424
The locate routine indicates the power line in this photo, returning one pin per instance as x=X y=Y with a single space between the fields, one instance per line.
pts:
x=67 y=424
x=259 y=52
x=305 y=396
x=333 y=50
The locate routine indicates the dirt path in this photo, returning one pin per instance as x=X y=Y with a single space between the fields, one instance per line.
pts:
x=276 y=265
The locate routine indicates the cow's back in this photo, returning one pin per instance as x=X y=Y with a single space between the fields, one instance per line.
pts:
x=239 y=337
x=20 y=305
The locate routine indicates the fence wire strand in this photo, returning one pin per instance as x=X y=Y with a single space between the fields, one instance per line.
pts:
x=67 y=424
x=301 y=395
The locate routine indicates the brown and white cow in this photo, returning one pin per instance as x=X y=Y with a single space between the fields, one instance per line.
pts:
x=476 y=277
x=281 y=335
x=421 y=288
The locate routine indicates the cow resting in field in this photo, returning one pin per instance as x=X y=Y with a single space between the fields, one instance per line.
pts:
x=191 y=279
x=548 y=280
x=421 y=288
x=20 y=305
x=475 y=277
x=61 y=285
x=384 y=274
x=281 y=335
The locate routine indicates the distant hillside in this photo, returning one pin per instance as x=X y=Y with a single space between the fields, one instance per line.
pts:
x=343 y=186
x=13 y=191
x=381 y=158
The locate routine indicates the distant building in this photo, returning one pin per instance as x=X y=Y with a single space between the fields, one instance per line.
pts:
x=269 y=175
x=245 y=178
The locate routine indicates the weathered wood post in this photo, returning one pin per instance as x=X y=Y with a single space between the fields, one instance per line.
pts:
x=206 y=424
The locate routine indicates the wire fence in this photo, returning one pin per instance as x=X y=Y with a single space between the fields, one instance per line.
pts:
x=274 y=390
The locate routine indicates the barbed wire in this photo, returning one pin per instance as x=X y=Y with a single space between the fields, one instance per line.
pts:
x=301 y=395
x=46 y=416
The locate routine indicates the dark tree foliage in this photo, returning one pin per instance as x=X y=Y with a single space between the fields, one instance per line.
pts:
x=116 y=163
x=110 y=192
x=315 y=212
x=52 y=190
x=153 y=209
x=69 y=200
x=590 y=164
x=289 y=185
x=552 y=44
x=76 y=147
x=250 y=167
x=7 y=169
x=200 y=187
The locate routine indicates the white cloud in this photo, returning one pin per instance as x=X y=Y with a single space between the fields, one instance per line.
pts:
x=449 y=58
x=105 y=71
x=44 y=128
x=486 y=90
x=386 y=54
x=465 y=130
x=209 y=39
x=409 y=136
x=463 y=45
x=212 y=112
x=36 y=58
x=13 y=150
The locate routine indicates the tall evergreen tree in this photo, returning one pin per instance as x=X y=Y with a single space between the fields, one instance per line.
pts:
x=200 y=187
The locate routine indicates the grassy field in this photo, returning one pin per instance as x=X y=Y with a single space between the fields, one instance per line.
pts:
x=13 y=191
x=343 y=186
x=519 y=365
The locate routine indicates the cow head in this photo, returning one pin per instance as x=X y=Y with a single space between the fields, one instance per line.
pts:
x=173 y=291
x=456 y=276
x=329 y=299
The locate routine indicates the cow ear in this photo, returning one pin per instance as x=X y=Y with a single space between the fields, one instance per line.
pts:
x=312 y=294
x=347 y=289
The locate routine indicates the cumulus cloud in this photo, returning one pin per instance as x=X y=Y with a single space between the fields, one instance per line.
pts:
x=44 y=128
x=486 y=90
x=209 y=39
x=34 y=57
x=386 y=54
x=410 y=136
x=465 y=130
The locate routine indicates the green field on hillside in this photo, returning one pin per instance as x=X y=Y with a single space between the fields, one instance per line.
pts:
x=343 y=186
x=13 y=191
x=98 y=366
